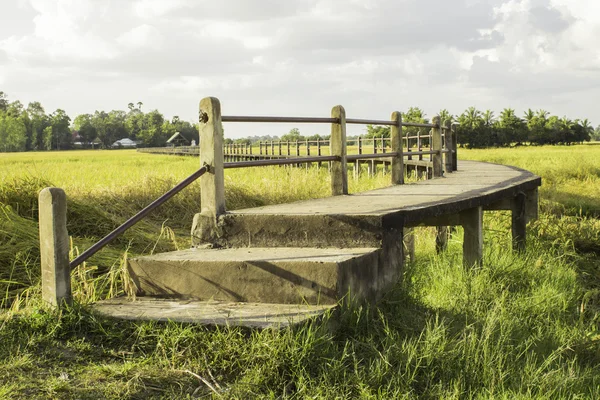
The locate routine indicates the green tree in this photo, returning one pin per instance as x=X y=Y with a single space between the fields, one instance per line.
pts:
x=60 y=123
x=293 y=135
x=152 y=134
x=13 y=132
x=84 y=125
x=510 y=128
x=3 y=101
x=38 y=121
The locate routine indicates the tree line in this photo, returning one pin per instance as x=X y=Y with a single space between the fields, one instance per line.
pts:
x=476 y=129
x=31 y=128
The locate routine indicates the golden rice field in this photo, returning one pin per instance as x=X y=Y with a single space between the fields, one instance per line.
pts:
x=524 y=326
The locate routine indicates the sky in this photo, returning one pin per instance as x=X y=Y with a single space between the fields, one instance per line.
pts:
x=302 y=57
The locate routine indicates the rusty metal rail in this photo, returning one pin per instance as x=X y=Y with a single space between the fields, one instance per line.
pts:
x=280 y=161
x=354 y=157
x=308 y=120
x=136 y=218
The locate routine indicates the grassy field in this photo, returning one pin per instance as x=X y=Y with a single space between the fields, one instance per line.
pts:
x=521 y=326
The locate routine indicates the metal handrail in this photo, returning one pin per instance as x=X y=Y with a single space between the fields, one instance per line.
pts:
x=354 y=157
x=137 y=217
x=311 y=120
x=280 y=161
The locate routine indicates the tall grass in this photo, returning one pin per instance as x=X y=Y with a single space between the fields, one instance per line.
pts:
x=520 y=326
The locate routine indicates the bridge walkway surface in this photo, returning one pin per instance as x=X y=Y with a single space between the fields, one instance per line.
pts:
x=280 y=264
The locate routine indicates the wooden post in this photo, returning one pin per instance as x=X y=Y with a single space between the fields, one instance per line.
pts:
x=450 y=147
x=319 y=152
x=455 y=144
x=212 y=183
x=519 y=222
x=472 y=222
x=396 y=146
x=419 y=143
x=54 y=247
x=337 y=143
x=436 y=145
x=288 y=148
x=272 y=148
x=260 y=148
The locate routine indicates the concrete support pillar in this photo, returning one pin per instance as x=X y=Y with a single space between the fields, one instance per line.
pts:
x=531 y=205
x=472 y=222
x=409 y=244
x=441 y=239
x=54 y=247
x=370 y=168
x=337 y=143
x=212 y=183
x=396 y=146
x=519 y=222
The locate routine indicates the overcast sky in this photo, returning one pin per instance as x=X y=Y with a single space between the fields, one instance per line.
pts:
x=301 y=57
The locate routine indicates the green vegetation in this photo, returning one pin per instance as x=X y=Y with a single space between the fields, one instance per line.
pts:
x=25 y=129
x=521 y=326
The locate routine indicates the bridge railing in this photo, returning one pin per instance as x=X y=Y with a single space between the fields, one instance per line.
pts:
x=438 y=144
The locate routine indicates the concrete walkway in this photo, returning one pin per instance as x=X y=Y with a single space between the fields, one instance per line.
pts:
x=262 y=265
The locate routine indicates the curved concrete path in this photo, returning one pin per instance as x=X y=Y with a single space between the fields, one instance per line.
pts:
x=474 y=184
x=260 y=266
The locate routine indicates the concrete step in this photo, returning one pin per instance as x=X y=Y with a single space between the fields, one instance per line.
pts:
x=264 y=275
x=254 y=315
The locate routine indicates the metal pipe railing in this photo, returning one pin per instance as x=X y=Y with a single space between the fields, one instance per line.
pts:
x=281 y=161
x=309 y=120
x=137 y=217
x=354 y=157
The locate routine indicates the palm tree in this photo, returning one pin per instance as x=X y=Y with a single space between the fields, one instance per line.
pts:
x=488 y=118
x=529 y=116
x=140 y=104
x=445 y=117
x=471 y=117
x=543 y=114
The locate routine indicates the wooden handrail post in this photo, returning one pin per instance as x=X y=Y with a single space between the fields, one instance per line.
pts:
x=337 y=143
x=450 y=147
x=212 y=183
x=54 y=247
x=436 y=145
x=396 y=146
x=455 y=144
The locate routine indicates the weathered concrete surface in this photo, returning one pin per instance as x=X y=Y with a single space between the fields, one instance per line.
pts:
x=269 y=275
x=362 y=219
x=212 y=183
x=256 y=315
x=54 y=247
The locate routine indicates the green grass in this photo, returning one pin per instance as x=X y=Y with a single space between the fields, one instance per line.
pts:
x=521 y=326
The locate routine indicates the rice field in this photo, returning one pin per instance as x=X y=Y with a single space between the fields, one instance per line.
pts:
x=521 y=326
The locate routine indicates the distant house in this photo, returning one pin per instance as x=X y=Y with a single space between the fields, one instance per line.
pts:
x=96 y=143
x=177 y=140
x=125 y=142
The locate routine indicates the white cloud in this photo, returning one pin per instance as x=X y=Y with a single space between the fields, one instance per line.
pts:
x=143 y=36
x=302 y=56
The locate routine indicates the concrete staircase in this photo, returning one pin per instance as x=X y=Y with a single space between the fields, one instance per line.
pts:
x=276 y=284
